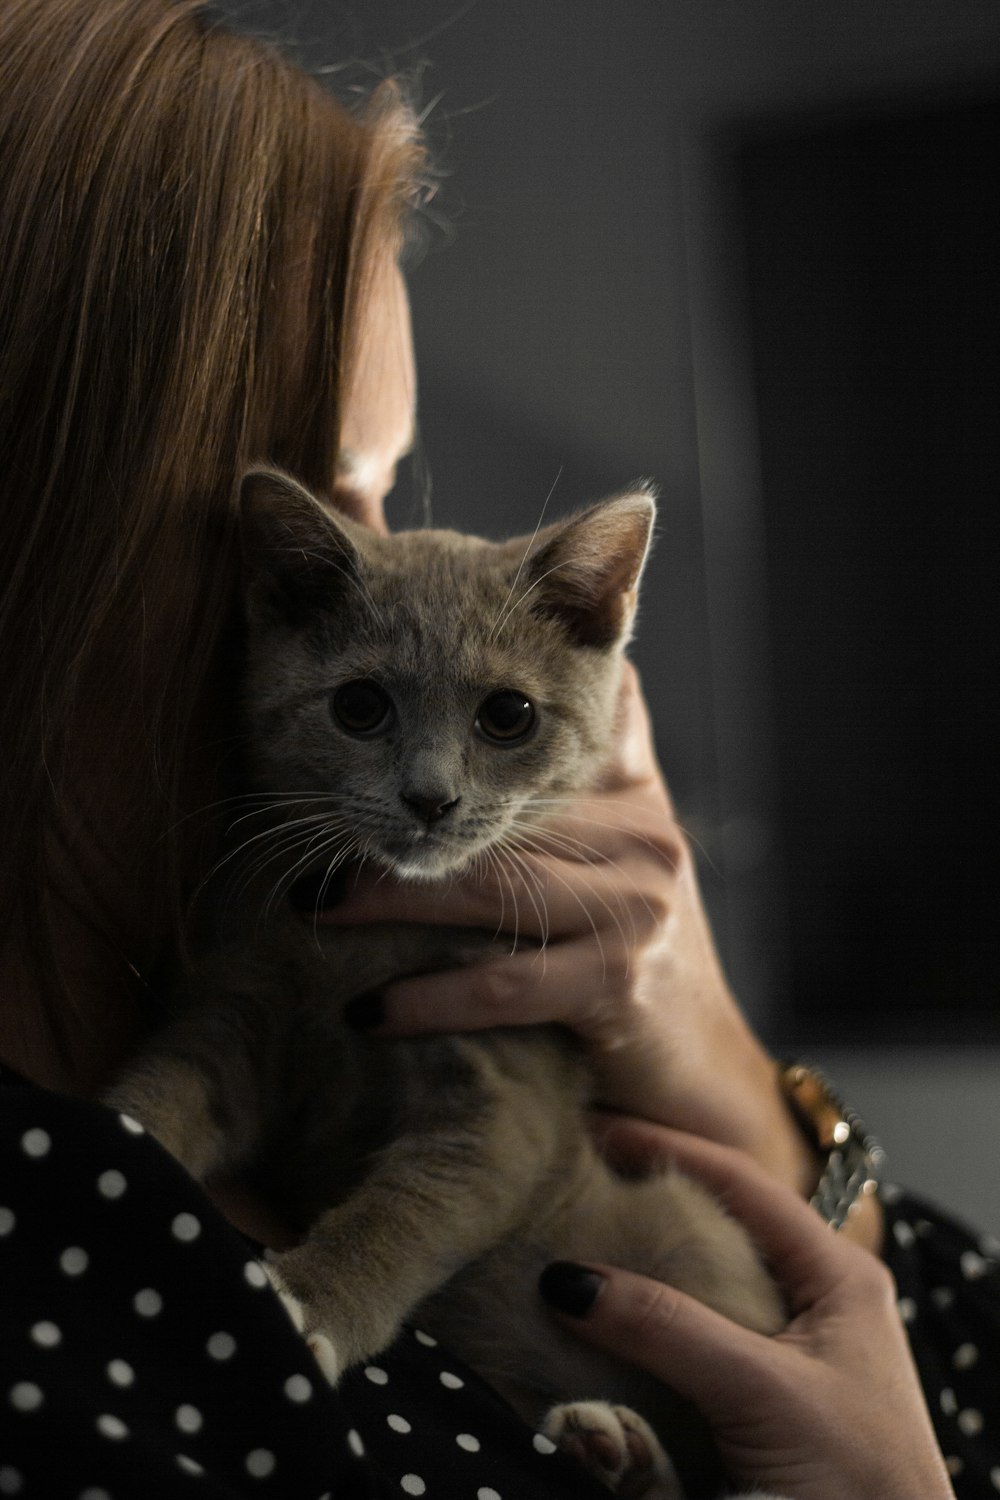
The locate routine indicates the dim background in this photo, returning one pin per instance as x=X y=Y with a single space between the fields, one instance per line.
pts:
x=751 y=250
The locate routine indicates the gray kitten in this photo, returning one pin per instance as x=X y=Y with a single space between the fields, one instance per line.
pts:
x=423 y=700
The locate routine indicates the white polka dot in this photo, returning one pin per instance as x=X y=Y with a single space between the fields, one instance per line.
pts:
x=942 y=1296
x=112 y=1427
x=954 y=1466
x=255 y=1274
x=73 y=1261
x=995 y=1478
x=260 y=1463
x=355 y=1444
x=376 y=1375
x=46 y=1335
x=965 y=1356
x=298 y=1388
x=468 y=1442
x=424 y=1338
x=221 y=1346
x=111 y=1184
x=990 y=1245
x=452 y=1382
x=185 y=1228
x=11 y=1481
x=94 y=1492
x=903 y=1233
x=970 y=1421
x=487 y=1494
x=188 y=1418
x=542 y=1444
x=973 y=1265
x=132 y=1126
x=189 y=1465
x=26 y=1396
x=36 y=1142
x=890 y=1192
x=147 y=1303
x=907 y=1309
x=119 y=1372
x=412 y=1484
x=949 y=1403
x=7 y=1222
x=398 y=1424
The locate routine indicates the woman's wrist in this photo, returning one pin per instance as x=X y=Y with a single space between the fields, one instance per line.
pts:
x=837 y=1163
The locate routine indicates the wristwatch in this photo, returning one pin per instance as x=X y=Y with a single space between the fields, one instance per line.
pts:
x=853 y=1159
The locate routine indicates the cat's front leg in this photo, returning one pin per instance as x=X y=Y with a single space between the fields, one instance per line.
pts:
x=196 y=1085
x=434 y=1199
x=172 y=1099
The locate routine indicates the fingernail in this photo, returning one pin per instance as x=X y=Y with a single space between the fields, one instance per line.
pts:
x=569 y=1288
x=366 y=1011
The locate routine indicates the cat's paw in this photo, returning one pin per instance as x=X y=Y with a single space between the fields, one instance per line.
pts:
x=617 y=1445
x=320 y=1345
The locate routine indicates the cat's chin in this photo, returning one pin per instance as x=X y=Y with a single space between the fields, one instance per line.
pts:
x=427 y=869
x=424 y=862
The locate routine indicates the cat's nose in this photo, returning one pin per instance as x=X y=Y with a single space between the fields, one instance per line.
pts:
x=430 y=807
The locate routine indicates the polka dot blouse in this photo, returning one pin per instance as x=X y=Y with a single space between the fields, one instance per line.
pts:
x=143 y=1353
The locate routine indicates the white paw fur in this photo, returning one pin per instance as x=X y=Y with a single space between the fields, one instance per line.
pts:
x=617 y=1445
x=320 y=1345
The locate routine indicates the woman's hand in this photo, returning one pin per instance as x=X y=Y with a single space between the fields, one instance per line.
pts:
x=828 y=1409
x=628 y=960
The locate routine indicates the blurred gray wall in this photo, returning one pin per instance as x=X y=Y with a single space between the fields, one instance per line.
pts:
x=579 y=322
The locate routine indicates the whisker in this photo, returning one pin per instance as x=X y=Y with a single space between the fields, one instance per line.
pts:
x=534 y=887
x=526 y=842
x=519 y=601
x=496 y=624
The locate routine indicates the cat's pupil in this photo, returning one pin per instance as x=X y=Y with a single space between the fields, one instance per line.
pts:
x=506 y=716
x=361 y=707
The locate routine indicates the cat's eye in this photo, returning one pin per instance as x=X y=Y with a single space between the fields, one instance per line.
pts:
x=506 y=717
x=361 y=707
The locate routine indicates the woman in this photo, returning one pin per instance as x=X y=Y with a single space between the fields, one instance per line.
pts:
x=198 y=252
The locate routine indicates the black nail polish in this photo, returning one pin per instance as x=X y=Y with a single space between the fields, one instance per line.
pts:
x=366 y=1011
x=569 y=1288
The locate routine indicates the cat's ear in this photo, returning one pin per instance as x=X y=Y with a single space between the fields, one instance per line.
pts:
x=585 y=571
x=297 y=556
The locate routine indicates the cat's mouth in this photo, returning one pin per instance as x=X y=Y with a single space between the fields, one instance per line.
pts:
x=425 y=855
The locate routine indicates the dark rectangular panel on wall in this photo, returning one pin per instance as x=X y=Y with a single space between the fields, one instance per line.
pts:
x=873 y=275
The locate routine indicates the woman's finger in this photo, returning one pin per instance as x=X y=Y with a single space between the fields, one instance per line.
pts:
x=540 y=896
x=805 y=1255
x=571 y=983
x=688 y=1346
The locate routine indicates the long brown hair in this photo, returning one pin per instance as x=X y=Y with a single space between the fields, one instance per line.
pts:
x=188 y=227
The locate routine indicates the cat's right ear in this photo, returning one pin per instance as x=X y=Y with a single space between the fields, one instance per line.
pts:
x=297 y=556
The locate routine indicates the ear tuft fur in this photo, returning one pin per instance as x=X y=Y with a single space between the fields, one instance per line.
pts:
x=585 y=571
x=296 y=553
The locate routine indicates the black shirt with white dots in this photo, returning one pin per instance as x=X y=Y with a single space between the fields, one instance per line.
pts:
x=143 y=1355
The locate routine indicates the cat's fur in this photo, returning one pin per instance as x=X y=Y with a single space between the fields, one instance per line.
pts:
x=431 y=1177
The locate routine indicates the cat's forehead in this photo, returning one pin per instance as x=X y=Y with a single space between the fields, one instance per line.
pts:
x=437 y=600
x=442 y=577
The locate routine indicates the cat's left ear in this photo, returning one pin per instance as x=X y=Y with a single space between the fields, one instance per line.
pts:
x=297 y=556
x=586 y=570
